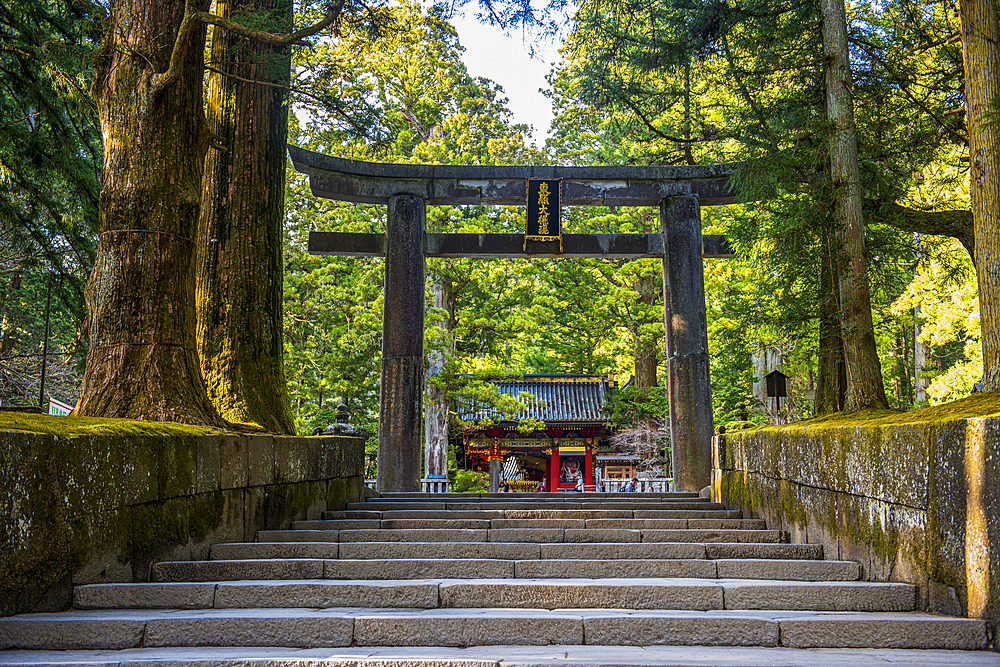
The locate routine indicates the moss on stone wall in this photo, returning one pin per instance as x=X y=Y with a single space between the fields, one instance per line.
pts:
x=886 y=488
x=67 y=426
x=86 y=508
x=977 y=405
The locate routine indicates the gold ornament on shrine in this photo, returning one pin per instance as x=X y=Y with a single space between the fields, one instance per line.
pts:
x=542 y=216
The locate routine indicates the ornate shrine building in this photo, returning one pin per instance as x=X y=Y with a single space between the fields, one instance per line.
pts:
x=564 y=450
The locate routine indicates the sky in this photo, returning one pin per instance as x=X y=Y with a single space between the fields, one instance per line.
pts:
x=489 y=53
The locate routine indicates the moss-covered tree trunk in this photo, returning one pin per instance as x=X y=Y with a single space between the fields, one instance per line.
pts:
x=864 y=370
x=142 y=362
x=981 y=54
x=240 y=278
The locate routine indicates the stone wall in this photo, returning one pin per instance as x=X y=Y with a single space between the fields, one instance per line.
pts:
x=917 y=502
x=101 y=508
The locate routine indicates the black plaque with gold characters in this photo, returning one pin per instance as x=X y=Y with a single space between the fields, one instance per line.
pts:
x=544 y=203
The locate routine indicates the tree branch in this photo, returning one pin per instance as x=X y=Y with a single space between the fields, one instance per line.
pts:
x=411 y=117
x=296 y=38
x=956 y=224
x=162 y=81
x=193 y=18
x=19 y=120
x=292 y=89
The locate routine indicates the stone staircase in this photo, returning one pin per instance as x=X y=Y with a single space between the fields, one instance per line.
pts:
x=528 y=579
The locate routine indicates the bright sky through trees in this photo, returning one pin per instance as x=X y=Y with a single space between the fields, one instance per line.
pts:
x=506 y=60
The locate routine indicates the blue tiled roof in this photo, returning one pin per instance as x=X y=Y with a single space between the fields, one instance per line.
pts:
x=560 y=398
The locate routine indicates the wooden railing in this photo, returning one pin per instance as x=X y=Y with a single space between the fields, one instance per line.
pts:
x=434 y=485
x=610 y=485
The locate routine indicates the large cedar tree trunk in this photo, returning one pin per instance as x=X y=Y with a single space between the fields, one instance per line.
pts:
x=831 y=377
x=864 y=370
x=142 y=362
x=981 y=54
x=240 y=279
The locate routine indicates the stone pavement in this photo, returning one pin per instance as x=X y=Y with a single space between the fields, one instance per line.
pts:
x=507 y=656
x=474 y=580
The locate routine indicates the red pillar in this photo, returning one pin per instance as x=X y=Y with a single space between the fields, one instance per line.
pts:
x=588 y=469
x=554 y=464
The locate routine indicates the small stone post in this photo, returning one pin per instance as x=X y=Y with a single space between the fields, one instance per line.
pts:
x=496 y=465
x=688 y=386
x=401 y=396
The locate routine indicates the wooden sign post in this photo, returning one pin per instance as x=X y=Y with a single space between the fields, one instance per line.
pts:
x=543 y=215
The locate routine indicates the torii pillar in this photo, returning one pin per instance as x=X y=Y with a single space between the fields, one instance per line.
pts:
x=685 y=322
x=400 y=402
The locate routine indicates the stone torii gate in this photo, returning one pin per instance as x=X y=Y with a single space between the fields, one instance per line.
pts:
x=678 y=191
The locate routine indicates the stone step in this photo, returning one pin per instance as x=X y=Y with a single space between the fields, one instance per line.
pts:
x=679 y=593
x=532 y=514
x=602 y=551
x=418 y=568
x=267 y=561
x=546 y=544
x=300 y=535
x=422 y=568
x=482 y=524
x=513 y=593
x=510 y=593
x=798 y=570
x=886 y=634
x=395 y=550
x=489 y=568
x=343 y=524
x=418 y=535
x=275 y=550
x=524 y=535
x=312 y=628
x=234 y=570
x=693 y=535
x=548 y=506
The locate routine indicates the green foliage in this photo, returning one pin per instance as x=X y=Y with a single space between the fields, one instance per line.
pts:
x=468 y=481
x=944 y=290
x=333 y=317
x=400 y=94
x=50 y=154
x=624 y=404
x=707 y=82
x=640 y=83
x=23 y=301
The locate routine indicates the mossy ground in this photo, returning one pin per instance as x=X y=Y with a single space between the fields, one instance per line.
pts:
x=977 y=405
x=69 y=426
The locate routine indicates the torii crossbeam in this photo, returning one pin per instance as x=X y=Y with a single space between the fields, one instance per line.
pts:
x=678 y=191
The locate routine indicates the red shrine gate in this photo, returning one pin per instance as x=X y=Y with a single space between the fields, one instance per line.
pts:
x=678 y=191
x=562 y=451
